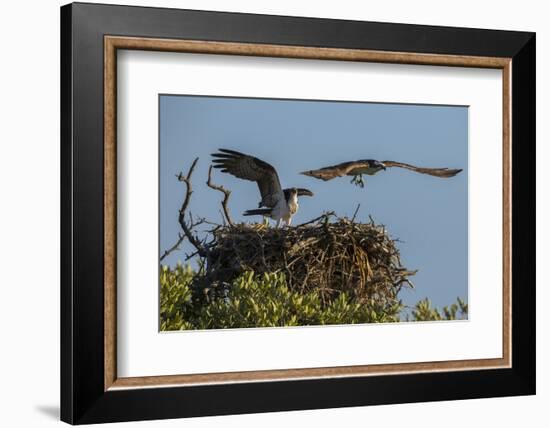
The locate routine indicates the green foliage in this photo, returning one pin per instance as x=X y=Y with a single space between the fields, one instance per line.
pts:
x=175 y=297
x=258 y=301
x=423 y=311
x=266 y=301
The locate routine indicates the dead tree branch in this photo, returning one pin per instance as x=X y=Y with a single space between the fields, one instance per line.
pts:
x=355 y=213
x=324 y=216
x=173 y=247
x=226 y=194
x=189 y=225
x=187 y=230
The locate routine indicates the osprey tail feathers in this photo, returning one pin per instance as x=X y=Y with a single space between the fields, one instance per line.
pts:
x=261 y=211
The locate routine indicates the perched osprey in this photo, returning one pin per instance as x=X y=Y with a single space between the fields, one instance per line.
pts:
x=280 y=204
x=371 y=167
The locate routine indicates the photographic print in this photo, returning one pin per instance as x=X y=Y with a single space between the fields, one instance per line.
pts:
x=278 y=213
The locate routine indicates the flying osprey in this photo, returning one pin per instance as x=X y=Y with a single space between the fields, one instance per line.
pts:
x=280 y=204
x=371 y=167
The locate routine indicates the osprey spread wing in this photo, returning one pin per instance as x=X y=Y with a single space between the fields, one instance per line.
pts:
x=280 y=204
x=371 y=167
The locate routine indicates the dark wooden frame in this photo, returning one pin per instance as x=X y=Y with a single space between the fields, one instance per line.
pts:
x=88 y=33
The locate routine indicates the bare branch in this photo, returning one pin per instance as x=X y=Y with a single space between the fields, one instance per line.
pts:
x=187 y=181
x=226 y=193
x=355 y=213
x=181 y=219
x=190 y=256
x=201 y=250
x=196 y=223
x=325 y=215
x=173 y=247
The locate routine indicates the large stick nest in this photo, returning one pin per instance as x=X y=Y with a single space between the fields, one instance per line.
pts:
x=330 y=254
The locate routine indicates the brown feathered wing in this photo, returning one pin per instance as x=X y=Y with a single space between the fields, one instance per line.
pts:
x=252 y=169
x=436 y=172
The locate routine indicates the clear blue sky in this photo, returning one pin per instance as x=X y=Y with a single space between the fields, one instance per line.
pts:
x=430 y=215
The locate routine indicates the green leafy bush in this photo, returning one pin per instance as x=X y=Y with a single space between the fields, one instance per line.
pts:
x=175 y=297
x=423 y=311
x=265 y=300
x=258 y=301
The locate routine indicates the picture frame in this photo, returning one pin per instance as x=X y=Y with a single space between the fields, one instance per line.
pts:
x=91 y=391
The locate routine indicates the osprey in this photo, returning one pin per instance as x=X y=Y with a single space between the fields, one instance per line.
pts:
x=280 y=204
x=371 y=167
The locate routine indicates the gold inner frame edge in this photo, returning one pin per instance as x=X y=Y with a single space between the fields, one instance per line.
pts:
x=113 y=43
